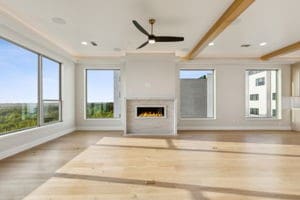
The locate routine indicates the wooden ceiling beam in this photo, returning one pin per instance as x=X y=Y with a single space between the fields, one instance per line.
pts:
x=282 y=51
x=234 y=10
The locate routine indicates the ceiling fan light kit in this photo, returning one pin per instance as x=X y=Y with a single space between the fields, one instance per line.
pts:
x=153 y=38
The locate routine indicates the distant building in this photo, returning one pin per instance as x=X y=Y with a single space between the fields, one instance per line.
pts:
x=261 y=91
x=196 y=96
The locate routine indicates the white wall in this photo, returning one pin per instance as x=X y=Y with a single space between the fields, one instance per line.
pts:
x=156 y=76
x=230 y=99
x=150 y=76
x=142 y=76
x=19 y=141
x=80 y=84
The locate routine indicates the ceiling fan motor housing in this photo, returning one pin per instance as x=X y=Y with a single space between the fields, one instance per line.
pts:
x=151 y=39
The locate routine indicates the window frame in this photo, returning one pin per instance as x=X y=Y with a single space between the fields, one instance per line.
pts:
x=39 y=90
x=107 y=67
x=197 y=68
x=278 y=92
x=59 y=100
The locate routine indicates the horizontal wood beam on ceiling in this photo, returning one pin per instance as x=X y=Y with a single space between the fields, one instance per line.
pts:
x=285 y=50
x=234 y=10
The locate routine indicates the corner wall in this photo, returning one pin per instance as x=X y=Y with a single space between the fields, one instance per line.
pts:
x=296 y=97
x=230 y=99
x=13 y=143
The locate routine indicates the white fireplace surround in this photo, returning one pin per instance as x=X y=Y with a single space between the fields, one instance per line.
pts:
x=165 y=125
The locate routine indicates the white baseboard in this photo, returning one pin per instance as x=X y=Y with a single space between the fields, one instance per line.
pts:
x=34 y=143
x=209 y=128
x=193 y=128
x=99 y=128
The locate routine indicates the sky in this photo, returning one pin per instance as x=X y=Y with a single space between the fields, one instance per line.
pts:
x=193 y=74
x=100 y=86
x=50 y=79
x=18 y=75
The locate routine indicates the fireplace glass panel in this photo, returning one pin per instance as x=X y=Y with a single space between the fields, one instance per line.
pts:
x=150 y=111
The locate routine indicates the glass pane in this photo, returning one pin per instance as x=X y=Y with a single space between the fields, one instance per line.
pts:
x=197 y=93
x=51 y=76
x=263 y=85
x=274 y=93
x=51 y=70
x=18 y=88
x=103 y=94
x=51 y=111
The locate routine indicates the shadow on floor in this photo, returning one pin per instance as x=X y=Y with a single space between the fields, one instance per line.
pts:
x=26 y=171
x=194 y=189
x=172 y=147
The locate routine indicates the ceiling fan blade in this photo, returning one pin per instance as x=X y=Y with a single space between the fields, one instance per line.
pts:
x=144 y=44
x=138 y=26
x=168 y=39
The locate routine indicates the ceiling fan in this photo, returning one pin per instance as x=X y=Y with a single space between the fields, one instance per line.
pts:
x=153 y=38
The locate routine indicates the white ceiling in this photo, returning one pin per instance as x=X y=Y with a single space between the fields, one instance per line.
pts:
x=109 y=24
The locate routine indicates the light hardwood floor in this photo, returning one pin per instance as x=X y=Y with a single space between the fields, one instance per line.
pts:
x=194 y=165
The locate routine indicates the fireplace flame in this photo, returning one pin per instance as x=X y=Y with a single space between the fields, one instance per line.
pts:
x=150 y=114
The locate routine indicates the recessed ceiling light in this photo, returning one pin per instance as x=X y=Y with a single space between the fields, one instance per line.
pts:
x=245 y=45
x=84 y=43
x=59 y=20
x=211 y=44
x=262 y=44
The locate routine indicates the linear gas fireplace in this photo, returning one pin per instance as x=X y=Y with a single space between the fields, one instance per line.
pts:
x=150 y=111
x=150 y=117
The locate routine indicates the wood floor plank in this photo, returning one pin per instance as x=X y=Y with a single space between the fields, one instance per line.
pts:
x=260 y=165
x=258 y=171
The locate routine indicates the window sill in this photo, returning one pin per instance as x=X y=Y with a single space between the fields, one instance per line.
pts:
x=199 y=119
x=262 y=119
x=50 y=123
x=102 y=119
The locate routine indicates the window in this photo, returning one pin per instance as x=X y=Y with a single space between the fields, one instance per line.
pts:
x=19 y=89
x=262 y=84
x=20 y=106
x=254 y=97
x=254 y=111
x=260 y=81
x=197 y=93
x=274 y=112
x=103 y=95
x=274 y=96
x=51 y=92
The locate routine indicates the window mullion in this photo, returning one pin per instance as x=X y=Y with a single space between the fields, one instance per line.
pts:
x=269 y=94
x=40 y=92
x=60 y=92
